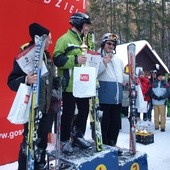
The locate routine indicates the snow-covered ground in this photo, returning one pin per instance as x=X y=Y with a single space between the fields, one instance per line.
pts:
x=158 y=152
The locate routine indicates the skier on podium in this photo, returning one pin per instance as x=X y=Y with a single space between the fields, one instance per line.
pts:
x=18 y=76
x=67 y=55
x=110 y=76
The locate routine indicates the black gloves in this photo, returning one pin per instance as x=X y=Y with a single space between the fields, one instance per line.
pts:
x=160 y=98
x=156 y=97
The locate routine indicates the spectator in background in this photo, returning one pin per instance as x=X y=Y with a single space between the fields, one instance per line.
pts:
x=159 y=97
x=153 y=74
x=145 y=87
x=168 y=102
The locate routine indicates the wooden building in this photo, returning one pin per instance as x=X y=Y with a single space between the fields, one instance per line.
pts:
x=146 y=57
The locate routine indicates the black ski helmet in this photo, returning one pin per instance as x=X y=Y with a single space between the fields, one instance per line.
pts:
x=78 y=19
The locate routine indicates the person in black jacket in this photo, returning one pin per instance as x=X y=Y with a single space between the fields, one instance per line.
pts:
x=18 y=76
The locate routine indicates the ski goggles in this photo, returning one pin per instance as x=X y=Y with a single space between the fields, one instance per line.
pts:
x=109 y=37
x=112 y=37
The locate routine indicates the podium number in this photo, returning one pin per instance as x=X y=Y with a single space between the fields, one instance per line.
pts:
x=135 y=166
x=101 y=167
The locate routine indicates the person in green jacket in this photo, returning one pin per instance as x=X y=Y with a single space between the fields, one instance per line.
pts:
x=67 y=55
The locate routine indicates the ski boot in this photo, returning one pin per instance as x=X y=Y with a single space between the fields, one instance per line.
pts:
x=79 y=141
x=118 y=149
x=66 y=147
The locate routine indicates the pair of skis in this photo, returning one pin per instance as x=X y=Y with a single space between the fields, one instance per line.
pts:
x=33 y=151
x=61 y=163
x=95 y=111
x=131 y=48
x=97 y=115
x=58 y=124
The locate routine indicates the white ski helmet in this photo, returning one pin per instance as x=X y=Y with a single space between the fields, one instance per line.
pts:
x=109 y=37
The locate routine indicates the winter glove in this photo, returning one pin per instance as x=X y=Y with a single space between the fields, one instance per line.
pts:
x=160 y=98
x=155 y=97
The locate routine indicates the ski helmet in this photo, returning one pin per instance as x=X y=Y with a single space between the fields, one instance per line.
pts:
x=78 y=19
x=109 y=37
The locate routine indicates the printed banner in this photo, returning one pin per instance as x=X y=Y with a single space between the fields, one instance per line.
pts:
x=15 y=18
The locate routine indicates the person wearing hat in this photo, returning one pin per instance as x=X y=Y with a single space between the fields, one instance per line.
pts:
x=18 y=76
x=145 y=85
x=111 y=77
x=67 y=55
x=159 y=96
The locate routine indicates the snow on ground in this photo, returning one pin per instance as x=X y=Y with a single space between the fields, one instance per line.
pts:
x=158 y=152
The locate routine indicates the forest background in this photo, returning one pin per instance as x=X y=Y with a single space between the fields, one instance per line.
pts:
x=134 y=20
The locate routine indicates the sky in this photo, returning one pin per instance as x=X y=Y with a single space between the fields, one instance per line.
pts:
x=158 y=153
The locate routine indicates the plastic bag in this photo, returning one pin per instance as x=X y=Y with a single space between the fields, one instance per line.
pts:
x=141 y=105
x=84 y=82
x=19 y=112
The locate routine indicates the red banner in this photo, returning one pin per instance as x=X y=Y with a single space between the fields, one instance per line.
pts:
x=15 y=17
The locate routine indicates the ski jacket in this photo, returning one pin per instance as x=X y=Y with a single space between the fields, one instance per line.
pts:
x=160 y=89
x=65 y=55
x=17 y=76
x=145 y=87
x=110 y=81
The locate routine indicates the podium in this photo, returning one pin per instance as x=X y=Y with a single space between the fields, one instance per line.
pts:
x=133 y=162
x=104 y=160
x=88 y=159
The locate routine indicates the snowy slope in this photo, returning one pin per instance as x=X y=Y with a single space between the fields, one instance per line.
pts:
x=158 y=152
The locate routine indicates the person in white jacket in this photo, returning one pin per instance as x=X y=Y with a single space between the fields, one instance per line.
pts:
x=110 y=76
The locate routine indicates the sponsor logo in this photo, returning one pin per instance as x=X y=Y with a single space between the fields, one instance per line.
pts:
x=71 y=7
x=26 y=99
x=84 y=77
x=11 y=135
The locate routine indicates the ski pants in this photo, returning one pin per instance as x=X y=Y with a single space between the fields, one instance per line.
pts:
x=68 y=115
x=159 y=115
x=111 y=123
